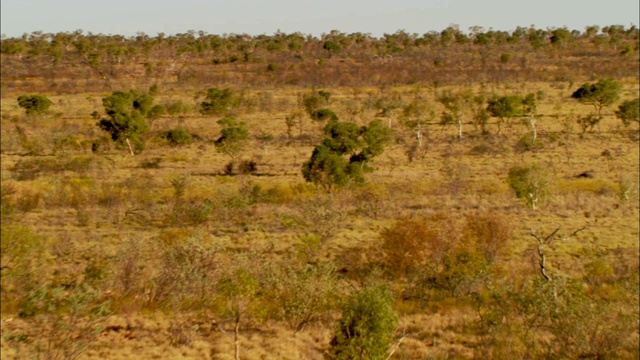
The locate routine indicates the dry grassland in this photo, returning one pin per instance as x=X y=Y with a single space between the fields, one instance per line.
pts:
x=87 y=209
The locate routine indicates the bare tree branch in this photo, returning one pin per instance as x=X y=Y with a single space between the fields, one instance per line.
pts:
x=544 y=241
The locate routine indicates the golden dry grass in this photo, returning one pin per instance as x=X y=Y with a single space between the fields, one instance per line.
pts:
x=70 y=209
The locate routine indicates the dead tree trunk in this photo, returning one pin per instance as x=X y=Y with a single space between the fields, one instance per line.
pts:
x=542 y=243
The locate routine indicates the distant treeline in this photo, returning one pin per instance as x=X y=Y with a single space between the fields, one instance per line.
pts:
x=335 y=42
x=334 y=58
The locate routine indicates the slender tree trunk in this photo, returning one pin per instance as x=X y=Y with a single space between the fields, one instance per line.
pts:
x=130 y=148
x=532 y=122
x=236 y=338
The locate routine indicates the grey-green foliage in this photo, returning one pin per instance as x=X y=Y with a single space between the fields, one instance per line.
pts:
x=530 y=182
x=34 y=104
x=628 y=111
x=127 y=114
x=302 y=295
x=219 y=101
x=367 y=325
x=521 y=318
x=233 y=136
x=345 y=152
x=601 y=94
x=65 y=321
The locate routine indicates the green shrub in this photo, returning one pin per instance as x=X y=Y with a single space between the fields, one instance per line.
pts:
x=156 y=112
x=367 y=325
x=177 y=137
x=177 y=108
x=628 y=111
x=527 y=143
x=324 y=115
x=302 y=295
x=34 y=104
x=530 y=183
x=218 y=101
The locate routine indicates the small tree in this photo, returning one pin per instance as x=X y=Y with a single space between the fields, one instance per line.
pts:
x=218 y=102
x=530 y=183
x=233 y=137
x=127 y=113
x=366 y=328
x=303 y=295
x=239 y=289
x=588 y=122
x=329 y=166
x=415 y=117
x=34 y=104
x=601 y=94
x=480 y=115
x=455 y=104
x=529 y=109
x=314 y=101
x=505 y=108
x=628 y=111
x=388 y=106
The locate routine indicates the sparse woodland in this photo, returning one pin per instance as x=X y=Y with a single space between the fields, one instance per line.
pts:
x=446 y=195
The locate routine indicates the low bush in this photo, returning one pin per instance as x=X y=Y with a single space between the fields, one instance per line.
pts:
x=34 y=104
x=527 y=143
x=248 y=167
x=177 y=137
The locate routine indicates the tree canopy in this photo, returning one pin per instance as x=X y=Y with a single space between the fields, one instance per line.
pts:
x=218 y=101
x=344 y=153
x=127 y=112
x=628 y=111
x=601 y=94
x=34 y=104
x=233 y=136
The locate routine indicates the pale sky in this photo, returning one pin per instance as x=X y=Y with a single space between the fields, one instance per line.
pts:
x=314 y=17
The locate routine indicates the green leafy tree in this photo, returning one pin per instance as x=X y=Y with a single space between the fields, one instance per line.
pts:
x=367 y=325
x=505 y=108
x=233 y=138
x=561 y=37
x=218 y=102
x=177 y=137
x=344 y=153
x=324 y=115
x=332 y=47
x=127 y=117
x=628 y=111
x=455 y=104
x=34 y=104
x=601 y=94
x=530 y=183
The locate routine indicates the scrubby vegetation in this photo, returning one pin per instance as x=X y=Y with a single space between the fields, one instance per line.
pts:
x=294 y=197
